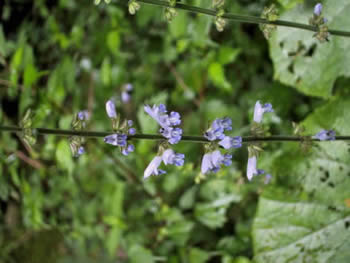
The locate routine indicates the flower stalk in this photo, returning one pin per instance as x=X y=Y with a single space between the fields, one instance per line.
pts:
x=243 y=18
x=186 y=138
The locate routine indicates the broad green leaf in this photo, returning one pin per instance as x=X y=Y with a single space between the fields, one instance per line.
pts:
x=314 y=227
x=300 y=231
x=304 y=63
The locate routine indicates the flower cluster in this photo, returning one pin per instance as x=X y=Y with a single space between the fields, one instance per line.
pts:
x=120 y=137
x=168 y=122
x=319 y=21
x=168 y=157
x=259 y=111
x=325 y=135
x=76 y=142
x=213 y=159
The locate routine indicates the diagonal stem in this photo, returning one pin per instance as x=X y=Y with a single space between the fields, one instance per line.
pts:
x=243 y=18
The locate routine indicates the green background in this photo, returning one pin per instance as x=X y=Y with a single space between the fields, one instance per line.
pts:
x=60 y=57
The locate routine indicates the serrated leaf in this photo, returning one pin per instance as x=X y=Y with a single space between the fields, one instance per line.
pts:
x=304 y=63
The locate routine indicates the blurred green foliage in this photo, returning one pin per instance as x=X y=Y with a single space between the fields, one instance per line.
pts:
x=59 y=57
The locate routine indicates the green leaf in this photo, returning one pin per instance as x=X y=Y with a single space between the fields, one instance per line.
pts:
x=64 y=156
x=304 y=63
x=106 y=72
x=198 y=255
x=30 y=75
x=300 y=232
x=228 y=54
x=217 y=76
x=180 y=231
x=314 y=226
x=139 y=254
x=113 y=41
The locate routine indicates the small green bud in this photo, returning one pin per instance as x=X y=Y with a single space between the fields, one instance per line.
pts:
x=28 y=134
x=220 y=22
x=271 y=14
x=170 y=13
x=322 y=35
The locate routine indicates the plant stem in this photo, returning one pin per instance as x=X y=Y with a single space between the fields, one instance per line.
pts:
x=243 y=18
x=188 y=138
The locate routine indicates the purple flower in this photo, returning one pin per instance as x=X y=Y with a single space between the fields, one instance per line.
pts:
x=174 y=118
x=267 y=178
x=128 y=149
x=212 y=161
x=259 y=110
x=251 y=168
x=167 y=122
x=156 y=112
x=132 y=131
x=81 y=150
x=83 y=115
x=231 y=142
x=217 y=129
x=325 y=135
x=110 y=109
x=170 y=157
x=125 y=97
x=126 y=93
x=207 y=164
x=318 y=9
x=116 y=139
x=172 y=134
x=152 y=168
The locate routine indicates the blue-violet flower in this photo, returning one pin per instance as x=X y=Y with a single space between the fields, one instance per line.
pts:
x=318 y=9
x=110 y=109
x=259 y=111
x=166 y=121
x=127 y=89
x=168 y=157
x=212 y=161
x=325 y=135
x=231 y=142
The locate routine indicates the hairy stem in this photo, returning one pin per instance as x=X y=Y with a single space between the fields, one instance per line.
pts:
x=188 y=138
x=243 y=18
